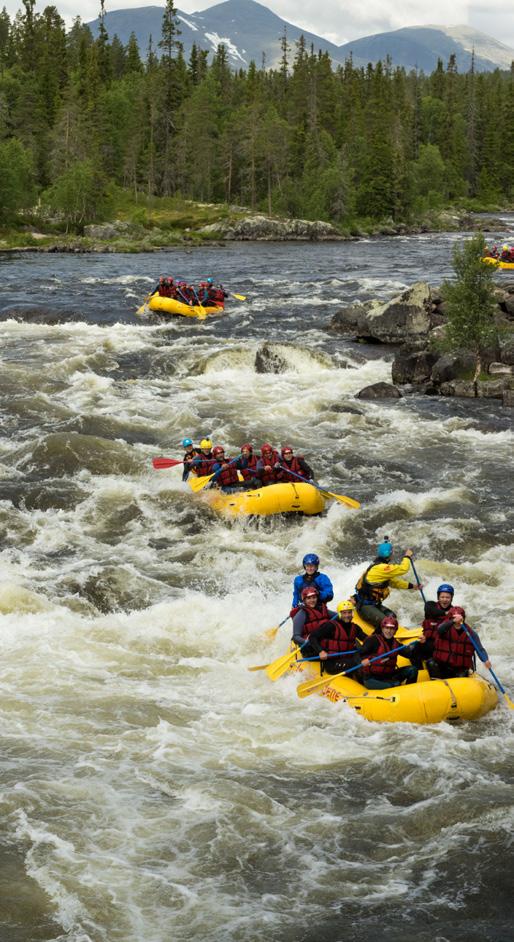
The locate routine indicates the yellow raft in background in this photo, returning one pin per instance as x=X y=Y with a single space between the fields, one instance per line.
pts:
x=264 y=501
x=427 y=701
x=498 y=263
x=161 y=305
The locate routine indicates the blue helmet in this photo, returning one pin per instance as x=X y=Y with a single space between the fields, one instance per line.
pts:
x=210 y=281
x=385 y=549
x=446 y=587
x=310 y=560
x=186 y=442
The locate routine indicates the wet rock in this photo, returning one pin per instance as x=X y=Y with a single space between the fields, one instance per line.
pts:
x=403 y=320
x=459 y=387
x=493 y=388
x=351 y=319
x=413 y=366
x=345 y=407
x=267 y=360
x=508 y=398
x=260 y=228
x=507 y=350
x=450 y=367
x=380 y=391
x=508 y=305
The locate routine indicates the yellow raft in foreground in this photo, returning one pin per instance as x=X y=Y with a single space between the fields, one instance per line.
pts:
x=427 y=701
x=161 y=305
x=274 y=499
x=498 y=263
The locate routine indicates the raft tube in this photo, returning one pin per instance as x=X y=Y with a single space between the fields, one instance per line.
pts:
x=264 y=501
x=161 y=305
x=427 y=701
x=498 y=263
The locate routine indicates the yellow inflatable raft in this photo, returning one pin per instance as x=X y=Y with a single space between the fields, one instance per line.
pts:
x=427 y=701
x=498 y=264
x=275 y=499
x=161 y=305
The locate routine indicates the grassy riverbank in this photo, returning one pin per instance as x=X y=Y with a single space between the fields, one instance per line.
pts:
x=149 y=223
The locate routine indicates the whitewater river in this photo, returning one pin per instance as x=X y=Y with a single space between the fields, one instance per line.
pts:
x=151 y=788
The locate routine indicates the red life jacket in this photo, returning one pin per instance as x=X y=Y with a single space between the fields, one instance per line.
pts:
x=315 y=617
x=204 y=465
x=293 y=465
x=247 y=466
x=227 y=476
x=388 y=664
x=268 y=477
x=217 y=295
x=343 y=638
x=429 y=625
x=454 y=648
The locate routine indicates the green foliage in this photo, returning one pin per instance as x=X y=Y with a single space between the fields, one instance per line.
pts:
x=80 y=194
x=470 y=301
x=17 y=190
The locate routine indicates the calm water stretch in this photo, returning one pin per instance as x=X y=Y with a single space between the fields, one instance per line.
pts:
x=151 y=788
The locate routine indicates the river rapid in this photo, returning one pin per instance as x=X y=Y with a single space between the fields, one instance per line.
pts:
x=151 y=788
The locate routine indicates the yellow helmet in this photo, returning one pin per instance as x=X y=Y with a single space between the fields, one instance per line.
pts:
x=346 y=606
x=205 y=443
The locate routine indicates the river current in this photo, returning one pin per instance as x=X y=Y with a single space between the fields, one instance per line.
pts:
x=151 y=788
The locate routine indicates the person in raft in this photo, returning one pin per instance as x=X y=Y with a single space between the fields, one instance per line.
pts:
x=384 y=673
x=309 y=615
x=266 y=466
x=454 y=653
x=291 y=462
x=435 y=613
x=225 y=472
x=246 y=464
x=377 y=580
x=202 y=464
x=190 y=453
x=312 y=576
x=336 y=637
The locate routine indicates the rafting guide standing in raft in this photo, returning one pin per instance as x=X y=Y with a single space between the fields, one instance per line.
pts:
x=377 y=580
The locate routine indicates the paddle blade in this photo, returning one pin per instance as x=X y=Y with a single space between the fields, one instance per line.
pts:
x=271 y=633
x=348 y=501
x=197 y=484
x=509 y=702
x=258 y=667
x=281 y=665
x=160 y=463
x=310 y=686
x=239 y=297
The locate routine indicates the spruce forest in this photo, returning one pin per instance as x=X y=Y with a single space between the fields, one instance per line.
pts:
x=83 y=117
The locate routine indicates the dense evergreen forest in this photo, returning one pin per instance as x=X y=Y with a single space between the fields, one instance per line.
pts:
x=81 y=116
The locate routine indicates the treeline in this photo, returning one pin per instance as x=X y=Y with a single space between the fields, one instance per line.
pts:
x=81 y=115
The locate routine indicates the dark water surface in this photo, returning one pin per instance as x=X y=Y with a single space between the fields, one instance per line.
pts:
x=151 y=788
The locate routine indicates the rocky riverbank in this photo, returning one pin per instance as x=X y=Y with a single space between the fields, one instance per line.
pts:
x=233 y=224
x=414 y=324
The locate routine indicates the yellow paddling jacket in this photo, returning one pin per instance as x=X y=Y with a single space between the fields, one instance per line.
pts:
x=374 y=584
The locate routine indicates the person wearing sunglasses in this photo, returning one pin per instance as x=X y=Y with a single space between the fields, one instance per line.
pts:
x=291 y=462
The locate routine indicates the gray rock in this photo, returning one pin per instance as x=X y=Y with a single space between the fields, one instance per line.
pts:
x=508 y=398
x=350 y=320
x=108 y=231
x=502 y=368
x=413 y=366
x=492 y=389
x=261 y=228
x=508 y=305
x=450 y=367
x=380 y=391
x=458 y=387
x=507 y=351
x=268 y=360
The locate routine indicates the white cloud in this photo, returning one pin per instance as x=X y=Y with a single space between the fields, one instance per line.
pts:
x=332 y=20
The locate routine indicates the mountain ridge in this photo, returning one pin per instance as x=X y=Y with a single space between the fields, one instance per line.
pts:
x=251 y=31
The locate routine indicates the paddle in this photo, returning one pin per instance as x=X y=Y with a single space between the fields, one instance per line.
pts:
x=160 y=463
x=141 y=310
x=418 y=580
x=271 y=633
x=349 y=501
x=198 y=484
x=238 y=297
x=280 y=666
x=301 y=660
x=310 y=686
x=498 y=683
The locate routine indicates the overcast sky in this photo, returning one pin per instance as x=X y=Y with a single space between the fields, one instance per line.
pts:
x=334 y=19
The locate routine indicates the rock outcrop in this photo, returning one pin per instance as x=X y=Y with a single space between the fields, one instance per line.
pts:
x=403 y=319
x=260 y=228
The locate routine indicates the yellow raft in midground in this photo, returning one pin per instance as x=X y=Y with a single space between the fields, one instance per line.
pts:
x=161 y=305
x=264 y=501
x=427 y=701
x=498 y=263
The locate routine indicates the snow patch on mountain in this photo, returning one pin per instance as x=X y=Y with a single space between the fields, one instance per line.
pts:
x=187 y=22
x=216 y=40
x=471 y=39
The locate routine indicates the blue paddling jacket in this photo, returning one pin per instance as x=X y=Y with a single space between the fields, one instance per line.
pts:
x=322 y=583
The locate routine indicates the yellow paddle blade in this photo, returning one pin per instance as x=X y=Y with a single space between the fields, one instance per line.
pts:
x=310 y=686
x=240 y=297
x=141 y=310
x=280 y=666
x=271 y=633
x=258 y=667
x=349 y=501
x=509 y=702
x=197 y=484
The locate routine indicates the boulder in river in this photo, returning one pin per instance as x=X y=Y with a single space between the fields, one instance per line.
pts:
x=413 y=366
x=404 y=319
x=380 y=391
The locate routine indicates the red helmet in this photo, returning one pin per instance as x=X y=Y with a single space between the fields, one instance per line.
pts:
x=247 y=445
x=266 y=448
x=309 y=590
x=456 y=610
x=285 y=448
x=218 y=450
x=389 y=622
